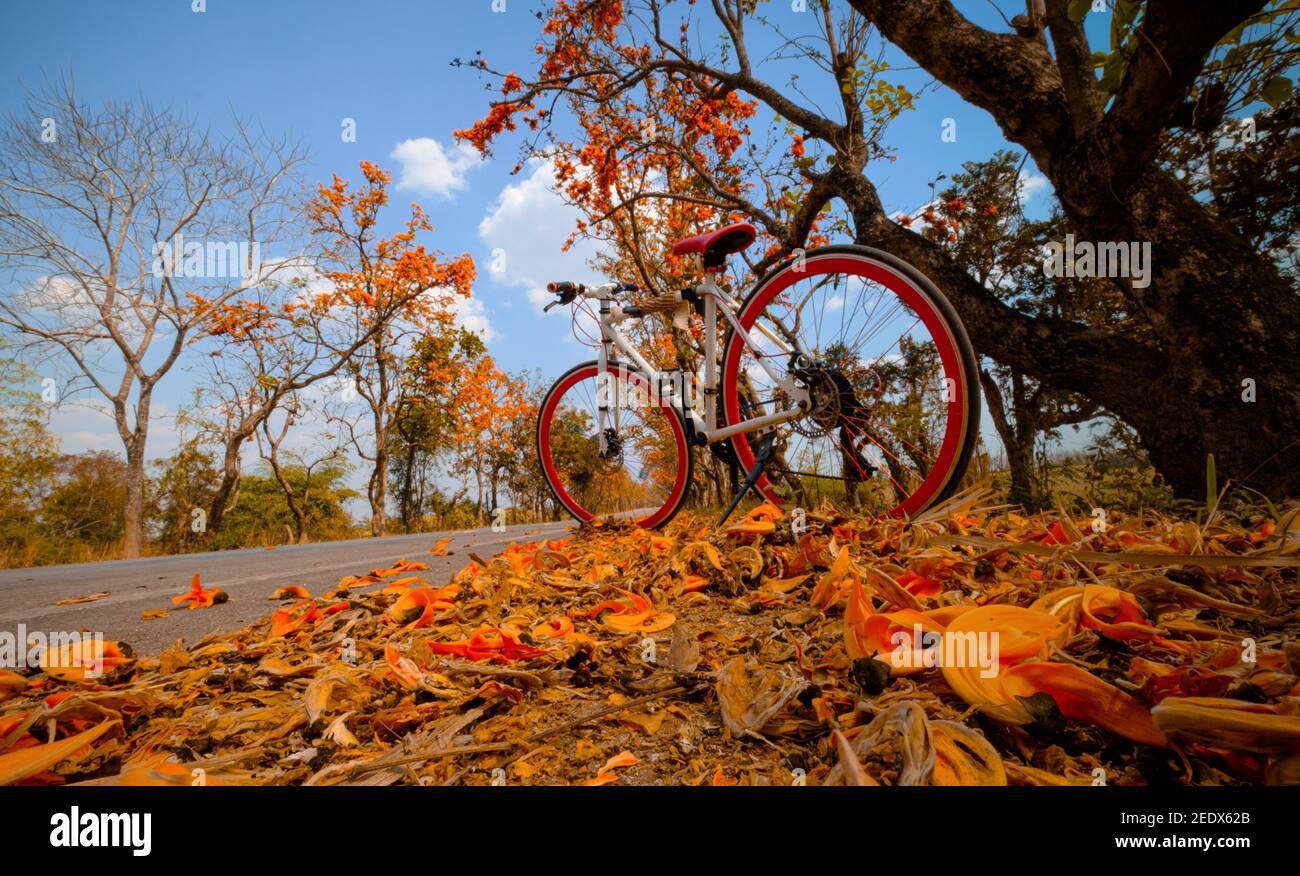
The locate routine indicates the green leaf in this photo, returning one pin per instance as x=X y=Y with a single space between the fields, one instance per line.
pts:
x=1112 y=74
x=1276 y=91
x=1078 y=9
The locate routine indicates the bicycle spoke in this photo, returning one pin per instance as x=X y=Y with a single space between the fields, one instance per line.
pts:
x=870 y=374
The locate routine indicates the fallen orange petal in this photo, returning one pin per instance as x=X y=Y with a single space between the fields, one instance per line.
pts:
x=1083 y=696
x=606 y=773
x=291 y=592
x=84 y=660
x=18 y=765
x=200 y=598
x=417 y=608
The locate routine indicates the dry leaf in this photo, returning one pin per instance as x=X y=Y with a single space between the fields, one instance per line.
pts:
x=78 y=600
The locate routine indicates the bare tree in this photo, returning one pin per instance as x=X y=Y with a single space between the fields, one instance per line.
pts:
x=383 y=392
x=270 y=443
x=285 y=341
x=122 y=227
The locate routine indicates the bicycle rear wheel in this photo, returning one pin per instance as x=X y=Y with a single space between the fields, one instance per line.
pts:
x=894 y=410
x=646 y=469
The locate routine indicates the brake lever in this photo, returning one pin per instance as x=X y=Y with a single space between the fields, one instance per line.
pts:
x=549 y=306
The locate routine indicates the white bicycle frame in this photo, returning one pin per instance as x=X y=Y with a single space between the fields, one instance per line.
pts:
x=612 y=313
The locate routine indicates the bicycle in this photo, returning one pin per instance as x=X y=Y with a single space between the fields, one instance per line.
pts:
x=888 y=427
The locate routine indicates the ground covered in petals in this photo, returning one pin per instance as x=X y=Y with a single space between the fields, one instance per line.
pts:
x=972 y=646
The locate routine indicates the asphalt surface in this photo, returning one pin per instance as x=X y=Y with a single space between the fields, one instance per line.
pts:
x=28 y=596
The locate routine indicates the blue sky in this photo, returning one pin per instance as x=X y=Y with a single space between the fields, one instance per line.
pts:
x=303 y=67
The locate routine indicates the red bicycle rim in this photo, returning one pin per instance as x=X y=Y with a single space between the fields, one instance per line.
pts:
x=544 y=449
x=913 y=297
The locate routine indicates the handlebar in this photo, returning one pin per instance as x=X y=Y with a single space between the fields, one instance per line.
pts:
x=567 y=291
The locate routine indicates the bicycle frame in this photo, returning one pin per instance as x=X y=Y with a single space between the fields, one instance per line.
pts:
x=705 y=429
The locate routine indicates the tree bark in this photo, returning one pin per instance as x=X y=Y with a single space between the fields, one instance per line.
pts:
x=230 y=473
x=379 y=494
x=133 y=508
x=134 y=440
x=1219 y=313
x=1016 y=440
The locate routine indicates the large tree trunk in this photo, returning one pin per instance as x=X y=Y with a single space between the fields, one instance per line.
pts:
x=133 y=510
x=1218 y=313
x=1225 y=320
x=134 y=442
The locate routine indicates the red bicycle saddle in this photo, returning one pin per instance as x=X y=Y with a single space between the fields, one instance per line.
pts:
x=721 y=242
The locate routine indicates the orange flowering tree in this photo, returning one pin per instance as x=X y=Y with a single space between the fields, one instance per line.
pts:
x=322 y=321
x=487 y=402
x=459 y=411
x=668 y=145
x=665 y=108
x=391 y=291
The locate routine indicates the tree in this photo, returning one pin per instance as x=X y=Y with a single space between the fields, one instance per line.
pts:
x=525 y=480
x=487 y=400
x=458 y=406
x=1217 y=312
x=652 y=91
x=978 y=220
x=183 y=490
x=95 y=208
x=297 y=497
x=395 y=275
x=262 y=514
x=291 y=336
x=425 y=423
x=83 y=505
x=28 y=451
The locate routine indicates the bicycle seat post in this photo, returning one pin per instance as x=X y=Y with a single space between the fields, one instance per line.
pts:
x=710 y=356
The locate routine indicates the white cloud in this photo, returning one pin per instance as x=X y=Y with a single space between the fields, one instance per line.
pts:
x=525 y=229
x=1030 y=185
x=432 y=170
x=472 y=316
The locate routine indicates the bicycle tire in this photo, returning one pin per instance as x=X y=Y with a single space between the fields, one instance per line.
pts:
x=958 y=445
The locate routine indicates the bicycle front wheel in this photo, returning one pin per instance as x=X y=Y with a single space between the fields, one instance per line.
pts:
x=893 y=410
x=640 y=470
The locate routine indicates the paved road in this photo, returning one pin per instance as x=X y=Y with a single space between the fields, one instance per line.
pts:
x=27 y=596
